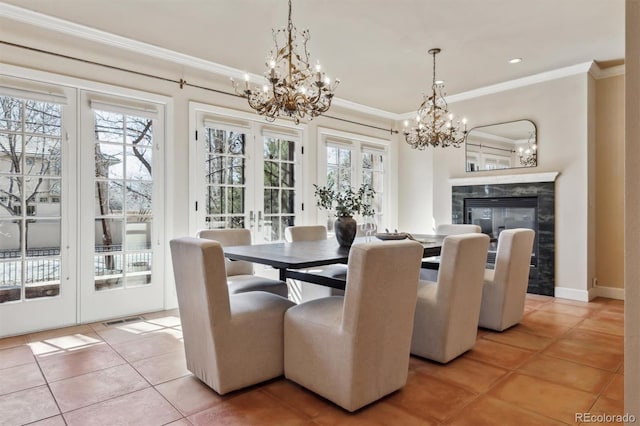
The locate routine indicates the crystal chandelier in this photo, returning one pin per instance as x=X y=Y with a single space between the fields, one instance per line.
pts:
x=529 y=156
x=293 y=88
x=434 y=123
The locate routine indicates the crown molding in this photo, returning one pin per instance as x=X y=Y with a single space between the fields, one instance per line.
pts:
x=113 y=40
x=600 y=73
x=109 y=39
x=365 y=109
x=582 y=68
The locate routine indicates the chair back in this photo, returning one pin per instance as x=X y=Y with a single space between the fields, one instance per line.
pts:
x=513 y=260
x=203 y=298
x=460 y=280
x=305 y=233
x=457 y=228
x=227 y=238
x=380 y=300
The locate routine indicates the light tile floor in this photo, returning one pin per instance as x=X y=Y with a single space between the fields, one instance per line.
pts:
x=564 y=358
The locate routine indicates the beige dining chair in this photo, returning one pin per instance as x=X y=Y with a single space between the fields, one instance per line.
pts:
x=457 y=228
x=505 y=287
x=230 y=341
x=310 y=291
x=447 y=311
x=354 y=349
x=240 y=274
x=429 y=272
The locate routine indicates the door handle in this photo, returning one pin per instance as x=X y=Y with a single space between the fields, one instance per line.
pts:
x=252 y=219
x=260 y=221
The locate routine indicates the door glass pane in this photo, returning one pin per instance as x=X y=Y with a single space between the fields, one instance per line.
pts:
x=279 y=184
x=338 y=172
x=225 y=162
x=138 y=163
x=109 y=161
x=30 y=196
x=373 y=175
x=123 y=199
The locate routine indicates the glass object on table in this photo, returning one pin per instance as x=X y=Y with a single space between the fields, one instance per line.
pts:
x=369 y=227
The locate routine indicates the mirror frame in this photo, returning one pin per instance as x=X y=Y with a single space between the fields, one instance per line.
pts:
x=514 y=152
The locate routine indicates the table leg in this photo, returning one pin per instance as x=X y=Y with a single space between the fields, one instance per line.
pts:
x=283 y=274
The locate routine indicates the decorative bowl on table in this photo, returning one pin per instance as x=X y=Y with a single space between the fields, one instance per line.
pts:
x=391 y=236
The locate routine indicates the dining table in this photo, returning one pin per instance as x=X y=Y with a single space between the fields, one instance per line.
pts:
x=302 y=260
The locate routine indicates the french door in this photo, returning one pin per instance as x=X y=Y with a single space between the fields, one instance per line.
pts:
x=245 y=175
x=81 y=207
x=37 y=275
x=122 y=241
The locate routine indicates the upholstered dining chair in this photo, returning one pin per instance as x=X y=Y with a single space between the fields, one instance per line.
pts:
x=505 y=287
x=447 y=311
x=310 y=291
x=429 y=271
x=231 y=341
x=457 y=228
x=354 y=349
x=240 y=274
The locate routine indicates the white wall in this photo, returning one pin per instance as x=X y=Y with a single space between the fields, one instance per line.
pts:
x=559 y=108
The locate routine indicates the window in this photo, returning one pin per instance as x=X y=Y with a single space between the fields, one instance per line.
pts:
x=351 y=160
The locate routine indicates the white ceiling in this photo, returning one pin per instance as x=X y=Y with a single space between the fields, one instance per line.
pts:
x=378 y=48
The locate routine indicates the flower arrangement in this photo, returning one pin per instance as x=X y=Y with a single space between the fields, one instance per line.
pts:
x=347 y=202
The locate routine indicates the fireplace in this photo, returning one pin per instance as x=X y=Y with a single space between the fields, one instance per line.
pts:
x=497 y=207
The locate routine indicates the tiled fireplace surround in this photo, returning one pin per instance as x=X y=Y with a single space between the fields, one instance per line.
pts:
x=541 y=186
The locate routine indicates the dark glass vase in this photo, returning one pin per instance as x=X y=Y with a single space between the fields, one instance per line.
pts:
x=345 y=228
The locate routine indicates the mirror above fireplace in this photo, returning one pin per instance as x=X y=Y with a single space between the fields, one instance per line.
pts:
x=502 y=146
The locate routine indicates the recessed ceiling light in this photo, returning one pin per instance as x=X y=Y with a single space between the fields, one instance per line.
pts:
x=439 y=81
x=515 y=60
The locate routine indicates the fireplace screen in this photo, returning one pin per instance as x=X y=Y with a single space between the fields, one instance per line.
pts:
x=494 y=215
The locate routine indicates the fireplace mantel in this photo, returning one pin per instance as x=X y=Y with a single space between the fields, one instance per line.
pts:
x=501 y=179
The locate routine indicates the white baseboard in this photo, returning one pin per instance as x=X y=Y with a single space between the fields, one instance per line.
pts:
x=587 y=295
x=572 y=294
x=610 y=292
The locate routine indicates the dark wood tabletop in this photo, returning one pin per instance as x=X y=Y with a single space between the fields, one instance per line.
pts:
x=306 y=254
